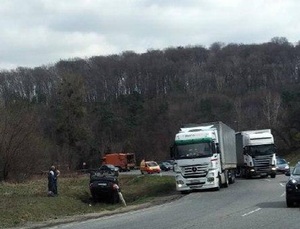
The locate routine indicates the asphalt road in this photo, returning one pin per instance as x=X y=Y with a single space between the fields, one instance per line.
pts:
x=254 y=203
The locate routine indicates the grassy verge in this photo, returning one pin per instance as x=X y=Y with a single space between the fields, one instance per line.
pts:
x=28 y=202
x=293 y=158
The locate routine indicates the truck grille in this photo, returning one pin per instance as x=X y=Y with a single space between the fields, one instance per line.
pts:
x=199 y=170
x=263 y=163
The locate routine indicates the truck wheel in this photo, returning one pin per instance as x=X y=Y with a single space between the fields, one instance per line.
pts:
x=248 y=174
x=238 y=173
x=219 y=184
x=226 y=184
x=273 y=175
x=232 y=178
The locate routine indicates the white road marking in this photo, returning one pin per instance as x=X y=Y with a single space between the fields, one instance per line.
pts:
x=252 y=212
x=283 y=185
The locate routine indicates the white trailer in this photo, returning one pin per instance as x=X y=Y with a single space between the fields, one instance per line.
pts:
x=204 y=156
x=256 y=153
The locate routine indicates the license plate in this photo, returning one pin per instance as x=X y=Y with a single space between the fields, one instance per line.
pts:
x=194 y=181
x=196 y=186
x=102 y=184
x=263 y=174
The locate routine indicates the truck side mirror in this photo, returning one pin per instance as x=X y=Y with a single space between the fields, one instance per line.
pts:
x=218 y=148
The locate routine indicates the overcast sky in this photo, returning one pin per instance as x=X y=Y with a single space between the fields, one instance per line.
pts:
x=42 y=32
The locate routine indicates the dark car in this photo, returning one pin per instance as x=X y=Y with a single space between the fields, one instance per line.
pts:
x=165 y=166
x=282 y=166
x=109 y=169
x=104 y=187
x=292 y=187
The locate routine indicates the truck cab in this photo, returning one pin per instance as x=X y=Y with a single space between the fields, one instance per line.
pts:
x=198 y=163
x=256 y=153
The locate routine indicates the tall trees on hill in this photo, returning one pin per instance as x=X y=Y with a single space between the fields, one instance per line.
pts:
x=71 y=129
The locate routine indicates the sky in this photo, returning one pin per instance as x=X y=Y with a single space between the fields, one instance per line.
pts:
x=42 y=32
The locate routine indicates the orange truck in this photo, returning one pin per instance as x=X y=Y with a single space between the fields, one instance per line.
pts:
x=124 y=161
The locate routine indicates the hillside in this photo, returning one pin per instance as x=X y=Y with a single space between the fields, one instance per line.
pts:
x=76 y=110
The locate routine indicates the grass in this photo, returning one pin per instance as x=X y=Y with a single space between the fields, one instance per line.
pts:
x=293 y=157
x=28 y=202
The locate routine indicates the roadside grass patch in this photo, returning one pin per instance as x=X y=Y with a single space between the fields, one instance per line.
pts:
x=139 y=189
x=28 y=202
x=293 y=158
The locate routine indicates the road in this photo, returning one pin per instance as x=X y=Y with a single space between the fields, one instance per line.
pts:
x=255 y=203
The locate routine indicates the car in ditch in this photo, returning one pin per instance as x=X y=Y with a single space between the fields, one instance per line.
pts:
x=104 y=187
x=109 y=169
x=292 y=188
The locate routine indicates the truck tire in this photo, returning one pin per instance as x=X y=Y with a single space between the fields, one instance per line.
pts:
x=232 y=177
x=273 y=175
x=248 y=174
x=238 y=172
x=219 y=184
x=226 y=183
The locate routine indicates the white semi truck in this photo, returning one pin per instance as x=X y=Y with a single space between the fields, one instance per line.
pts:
x=204 y=156
x=256 y=153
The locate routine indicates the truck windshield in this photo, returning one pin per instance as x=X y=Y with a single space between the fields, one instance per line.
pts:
x=261 y=150
x=196 y=150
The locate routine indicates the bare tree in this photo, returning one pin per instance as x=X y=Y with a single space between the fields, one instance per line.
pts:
x=271 y=107
x=20 y=142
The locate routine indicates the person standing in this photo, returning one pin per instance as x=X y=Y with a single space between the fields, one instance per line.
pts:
x=56 y=175
x=51 y=182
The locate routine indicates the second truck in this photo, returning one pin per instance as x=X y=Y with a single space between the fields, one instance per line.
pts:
x=124 y=161
x=256 y=153
x=204 y=156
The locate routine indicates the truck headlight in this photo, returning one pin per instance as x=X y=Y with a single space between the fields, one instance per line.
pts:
x=180 y=182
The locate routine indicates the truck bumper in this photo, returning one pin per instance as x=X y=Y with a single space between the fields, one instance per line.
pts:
x=255 y=172
x=200 y=183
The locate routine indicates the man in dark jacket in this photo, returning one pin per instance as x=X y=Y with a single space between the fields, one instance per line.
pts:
x=56 y=174
x=51 y=182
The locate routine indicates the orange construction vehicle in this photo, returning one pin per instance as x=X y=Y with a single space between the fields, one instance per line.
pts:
x=124 y=161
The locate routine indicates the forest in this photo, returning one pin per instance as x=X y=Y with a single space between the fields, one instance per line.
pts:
x=77 y=110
